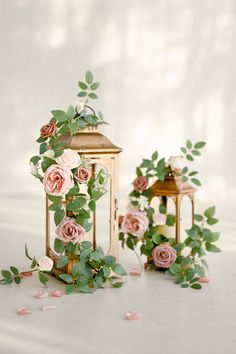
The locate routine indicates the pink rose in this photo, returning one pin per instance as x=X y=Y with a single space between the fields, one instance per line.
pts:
x=48 y=129
x=68 y=230
x=69 y=159
x=58 y=180
x=159 y=219
x=164 y=255
x=135 y=223
x=140 y=183
x=82 y=175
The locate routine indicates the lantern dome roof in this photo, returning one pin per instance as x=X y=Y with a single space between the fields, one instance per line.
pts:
x=89 y=142
x=172 y=185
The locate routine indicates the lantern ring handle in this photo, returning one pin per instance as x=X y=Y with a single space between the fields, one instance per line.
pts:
x=77 y=113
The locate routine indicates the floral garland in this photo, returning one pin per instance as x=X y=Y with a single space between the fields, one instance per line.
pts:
x=142 y=224
x=73 y=193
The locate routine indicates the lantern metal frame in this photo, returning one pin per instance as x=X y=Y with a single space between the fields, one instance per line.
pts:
x=99 y=150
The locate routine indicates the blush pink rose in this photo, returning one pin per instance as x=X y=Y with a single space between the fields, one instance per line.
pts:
x=58 y=180
x=140 y=183
x=69 y=231
x=159 y=219
x=48 y=129
x=69 y=159
x=164 y=255
x=82 y=175
x=135 y=223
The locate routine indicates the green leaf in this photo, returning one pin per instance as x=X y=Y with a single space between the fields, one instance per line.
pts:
x=54 y=206
x=210 y=212
x=85 y=253
x=92 y=205
x=196 y=152
x=95 y=86
x=198 y=217
x=41 y=139
x=54 y=199
x=59 y=115
x=70 y=112
x=89 y=77
x=200 y=270
x=8 y=281
x=139 y=172
x=17 y=280
x=170 y=220
x=47 y=162
x=66 y=277
x=92 y=95
x=184 y=285
x=213 y=237
x=162 y=209
x=196 y=181
x=189 y=144
x=212 y=248
x=82 y=94
x=118 y=269
x=185 y=169
x=43 y=278
x=34 y=263
x=184 y=150
x=193 y=232
x=110 y=260
x=155 y=156
x=6 y=273
x=62 y=261
x=59 y=216
x=175 y=268
x=35 y=160
x=43 y=148
x=76 y=204
x=83 y=288
x=70 y=247
x=190 y=273
x=97 y=254
x=147 y=164
x=90 y=119
x=199 y=145
x=82 y=85
x=117 y=284
x=59 y=246
x=87 y=244
x=14 y=270
x=105 y=271
x=212 y=221
x=73 y=127
x=69 y=289
x=27 y=253
x=157 y=239
x=193 y=173
x=204 y=263
x=189 y=157
x=179 y=247
x=196 y=286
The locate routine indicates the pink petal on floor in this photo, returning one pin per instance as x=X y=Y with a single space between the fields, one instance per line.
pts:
x=48 y=307
x=24 y=311
x=40 y=294
x=57 y=293
x=204 y=280
x=135 y=271
x=130 y=315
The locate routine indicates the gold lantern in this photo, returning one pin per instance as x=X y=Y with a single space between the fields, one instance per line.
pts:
x=100 y=151
x=173 y=187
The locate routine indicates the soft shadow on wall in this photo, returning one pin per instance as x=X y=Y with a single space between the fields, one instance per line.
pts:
x=167 y=70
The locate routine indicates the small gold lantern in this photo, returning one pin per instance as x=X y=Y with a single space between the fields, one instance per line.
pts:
x=101 y=152
x=173 y=187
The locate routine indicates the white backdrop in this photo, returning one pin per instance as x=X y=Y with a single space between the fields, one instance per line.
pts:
x=167 y=73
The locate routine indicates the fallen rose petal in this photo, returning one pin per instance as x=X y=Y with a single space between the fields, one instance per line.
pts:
x=24 y=311
x=135 y=271
x=204 y=280
x=26 y=274
x=40 y=294
x=48 y=307
x=130 y=315
x=57 y=293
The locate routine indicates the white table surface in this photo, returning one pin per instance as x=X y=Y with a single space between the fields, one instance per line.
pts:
x=173 y=320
